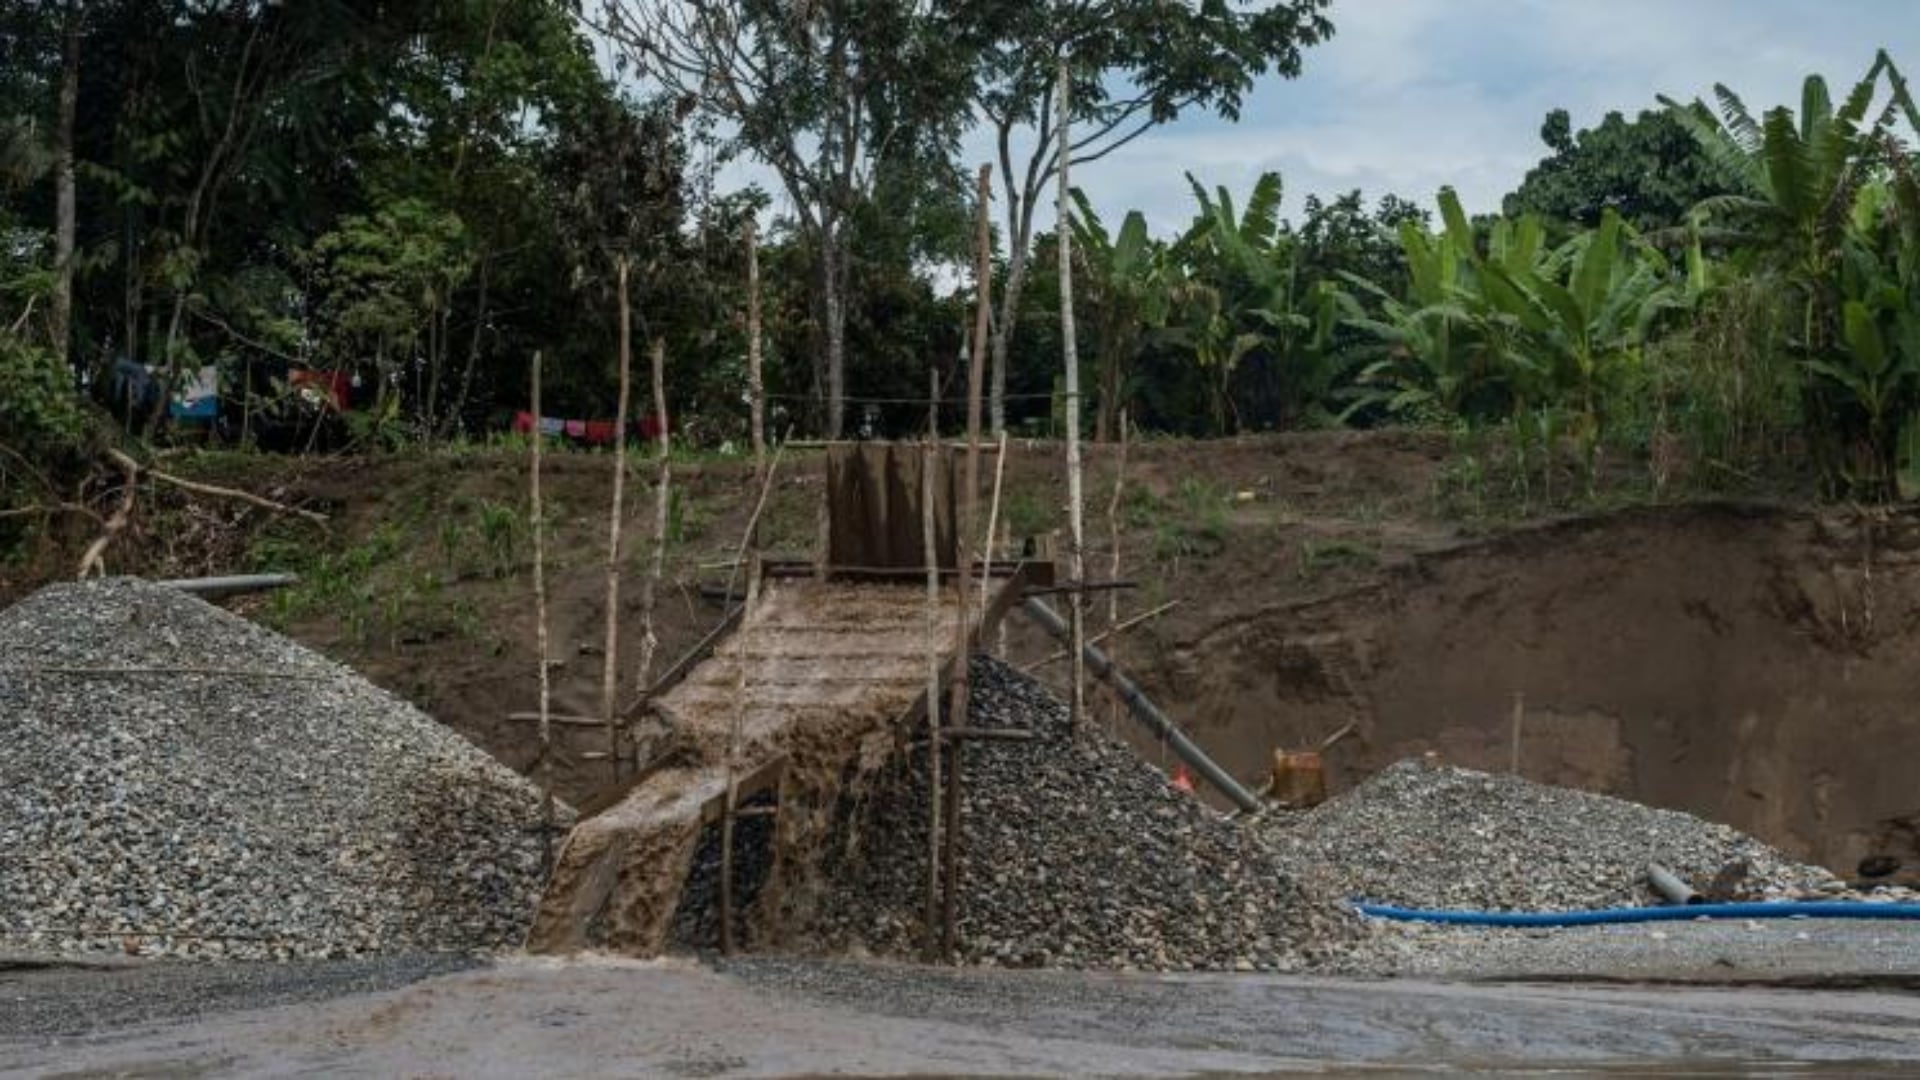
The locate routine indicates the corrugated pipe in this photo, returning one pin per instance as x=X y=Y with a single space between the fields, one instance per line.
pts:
x=1144 y=710
x=1775 y=909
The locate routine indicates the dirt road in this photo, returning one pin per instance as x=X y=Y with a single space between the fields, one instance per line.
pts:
x=593 y=1018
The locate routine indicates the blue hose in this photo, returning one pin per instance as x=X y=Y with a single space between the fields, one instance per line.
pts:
x=1783 y=909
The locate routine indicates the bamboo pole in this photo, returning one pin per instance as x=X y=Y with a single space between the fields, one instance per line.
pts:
x=1113 y=561
x=970 y=498
x=1076 y=525
x=928 y=459
x=537 y=511
x=662 y=489
x=610 y=663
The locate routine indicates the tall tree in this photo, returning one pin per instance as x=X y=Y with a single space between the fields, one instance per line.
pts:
x=828 y=94
x=1136 y=64
x=64 y=220
x=1649 y=170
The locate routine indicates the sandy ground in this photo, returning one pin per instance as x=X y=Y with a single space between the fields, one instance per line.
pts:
x=592 y=1018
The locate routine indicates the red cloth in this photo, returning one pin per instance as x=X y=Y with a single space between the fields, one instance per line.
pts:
x=602 y=432
x=650 y=427
x=334 y=385
x=523 y=422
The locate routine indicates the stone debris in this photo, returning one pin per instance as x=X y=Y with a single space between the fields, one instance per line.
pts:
x=1078 y=854
x=176 y=780
x=1422 y=834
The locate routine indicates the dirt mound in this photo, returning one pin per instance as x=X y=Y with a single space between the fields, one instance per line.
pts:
x=1420 y=834
x=176 y=780
x=1077 y=854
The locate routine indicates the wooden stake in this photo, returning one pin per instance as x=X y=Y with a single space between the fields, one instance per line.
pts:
x=662 y=490
x=536 y=511
x=1076 y=539
x=929 y=458
x=1113 y=562
x=757 y=401
x=610 y=665
x=1519 y=714
x=726 y=817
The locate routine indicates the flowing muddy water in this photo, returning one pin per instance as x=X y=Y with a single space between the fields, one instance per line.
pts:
x=590 y=1018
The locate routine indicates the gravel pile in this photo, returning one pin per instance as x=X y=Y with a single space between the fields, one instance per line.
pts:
x=175 y=780
x=1078 y=854
x=1421 y=834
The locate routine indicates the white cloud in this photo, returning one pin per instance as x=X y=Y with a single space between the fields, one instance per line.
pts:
x=1413 y=94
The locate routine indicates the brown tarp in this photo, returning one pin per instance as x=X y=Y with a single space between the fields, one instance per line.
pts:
x=873 y=500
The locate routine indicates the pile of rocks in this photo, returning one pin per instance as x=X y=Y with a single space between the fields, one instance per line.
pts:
x=175 y=780
x=1077 y=854
x=1422 y=834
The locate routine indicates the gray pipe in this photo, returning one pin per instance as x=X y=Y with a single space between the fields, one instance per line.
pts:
x=1143 y=708
x=230 y=586
x=1668 y=886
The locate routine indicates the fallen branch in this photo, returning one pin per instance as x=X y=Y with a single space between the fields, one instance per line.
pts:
x=93 y=560
x=134 y=468
x=1054 y=658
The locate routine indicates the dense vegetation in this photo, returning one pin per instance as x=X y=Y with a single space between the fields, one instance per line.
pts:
x=418 y=195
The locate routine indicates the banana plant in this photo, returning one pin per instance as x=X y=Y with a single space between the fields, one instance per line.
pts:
x=1130 y=287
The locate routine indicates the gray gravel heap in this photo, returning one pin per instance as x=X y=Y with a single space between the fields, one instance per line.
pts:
x=175 y=780
x=1422 y=834
x=1079 y=854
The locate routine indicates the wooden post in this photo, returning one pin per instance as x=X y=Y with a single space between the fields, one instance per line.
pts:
x=662 y=489
x=727 y=811
x=739 y=715
x=1113 y=561
x=536 y=512
x=1519 y=714
x=756 y=399
x=1076 y=526
x=969 y=507
x=610 y=665
x=929 y=459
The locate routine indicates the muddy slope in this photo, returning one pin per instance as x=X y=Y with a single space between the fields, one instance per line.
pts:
x=1751 y=666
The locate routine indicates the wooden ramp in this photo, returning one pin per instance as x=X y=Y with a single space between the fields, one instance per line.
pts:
x=817 y=685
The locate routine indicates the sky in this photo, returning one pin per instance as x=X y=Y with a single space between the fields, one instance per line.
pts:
x=1412 y=95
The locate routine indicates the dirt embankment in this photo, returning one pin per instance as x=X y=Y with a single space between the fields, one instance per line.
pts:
x=1747 y=665
x=1751 y=666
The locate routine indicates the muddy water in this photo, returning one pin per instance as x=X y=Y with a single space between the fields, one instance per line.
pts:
x=626 y=1018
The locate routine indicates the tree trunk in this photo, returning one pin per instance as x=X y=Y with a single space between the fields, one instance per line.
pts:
x=61 y=314
x=453 y=424
x=833 y=252
x=1003 y=331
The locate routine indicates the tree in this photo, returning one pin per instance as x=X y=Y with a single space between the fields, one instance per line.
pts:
x=1649 y=170
x=830 y=95
x=1343 y=237
x=1135 y=64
